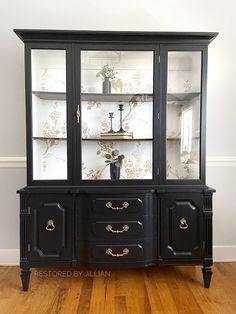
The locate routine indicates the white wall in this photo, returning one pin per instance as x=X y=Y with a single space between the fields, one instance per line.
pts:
x=168 y=15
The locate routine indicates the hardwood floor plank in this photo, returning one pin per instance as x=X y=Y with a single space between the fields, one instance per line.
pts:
x=167 y=301
x=184 y=299
x=110 y=284
x=152 y=291
x=120 y=305
x=98 y=296
x=85 y=296
x=73 y=295
x=133 y=294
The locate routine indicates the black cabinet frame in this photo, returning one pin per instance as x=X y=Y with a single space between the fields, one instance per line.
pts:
x=150 y=245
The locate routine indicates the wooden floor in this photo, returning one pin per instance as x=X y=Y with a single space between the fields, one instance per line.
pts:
x=152 y=290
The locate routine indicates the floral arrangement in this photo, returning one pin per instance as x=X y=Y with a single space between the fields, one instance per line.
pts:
x=107 y=72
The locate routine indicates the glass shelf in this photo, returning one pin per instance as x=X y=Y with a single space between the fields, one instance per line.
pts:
x=181 y=96
x=179 y=138
x=50 y=95
x=116 y=97
x=47 y=95
x=118 y=139
x=49 y=138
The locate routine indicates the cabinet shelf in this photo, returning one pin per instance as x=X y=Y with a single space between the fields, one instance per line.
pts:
x=50 y=95
x=179 y=138
x=181 y=96
x=118 y=139
x=115 y=97
x=49 y=138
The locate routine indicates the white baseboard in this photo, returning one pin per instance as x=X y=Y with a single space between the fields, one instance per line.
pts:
x=9 y=257
x=222 y=253
x=221 y=161
x=12 y=162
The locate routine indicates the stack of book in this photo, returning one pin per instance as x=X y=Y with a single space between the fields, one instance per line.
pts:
x=117 y=135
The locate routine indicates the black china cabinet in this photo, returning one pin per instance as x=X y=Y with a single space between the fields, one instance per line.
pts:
x=116 y=128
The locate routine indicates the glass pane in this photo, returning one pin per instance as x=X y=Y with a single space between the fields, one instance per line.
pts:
x=49 y=109
x=183 y=115
x=117 y=114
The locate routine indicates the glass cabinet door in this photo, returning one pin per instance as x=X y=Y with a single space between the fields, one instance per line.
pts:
x=49 y=111
x=183 y=115
x=116 y=114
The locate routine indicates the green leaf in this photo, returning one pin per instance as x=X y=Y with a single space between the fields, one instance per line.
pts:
x=119 y=159
x=115 y=152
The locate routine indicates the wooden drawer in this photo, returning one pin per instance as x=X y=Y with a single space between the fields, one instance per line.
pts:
x=126 y=251
x=116 y=230
x=120 y=205
x=117 y=253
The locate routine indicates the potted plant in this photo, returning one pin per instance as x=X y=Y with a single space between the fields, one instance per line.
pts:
x=108 y=73
x=114 y=159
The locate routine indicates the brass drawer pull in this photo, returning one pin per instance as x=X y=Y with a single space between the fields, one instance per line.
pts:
x=124 y=205
x=50 y=225
x=109 y=252
x=77 y=114
x=124 y=229
x=183 y=224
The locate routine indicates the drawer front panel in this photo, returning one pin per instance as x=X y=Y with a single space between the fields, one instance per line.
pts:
x=119 y=253
x=115 y=206
x=117 y=230
x=127 y=251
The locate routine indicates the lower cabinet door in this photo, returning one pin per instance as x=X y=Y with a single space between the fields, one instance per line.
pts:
x=181 y=226
x=51 y=227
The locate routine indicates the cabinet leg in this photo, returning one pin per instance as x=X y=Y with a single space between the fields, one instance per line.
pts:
x=25 y=277
x=207 y=273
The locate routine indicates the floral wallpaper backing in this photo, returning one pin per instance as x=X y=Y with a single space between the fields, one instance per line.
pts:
x=136 y=165
x=182 y=164
x=135 y=76
x=137 y=118
x=49 y=116
x=49 y=153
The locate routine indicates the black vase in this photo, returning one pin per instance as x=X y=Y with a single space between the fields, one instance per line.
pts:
x=114 y=172
x=106 y=86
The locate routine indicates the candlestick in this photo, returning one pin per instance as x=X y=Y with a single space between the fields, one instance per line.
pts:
x=111 y=117
x=121 y=109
